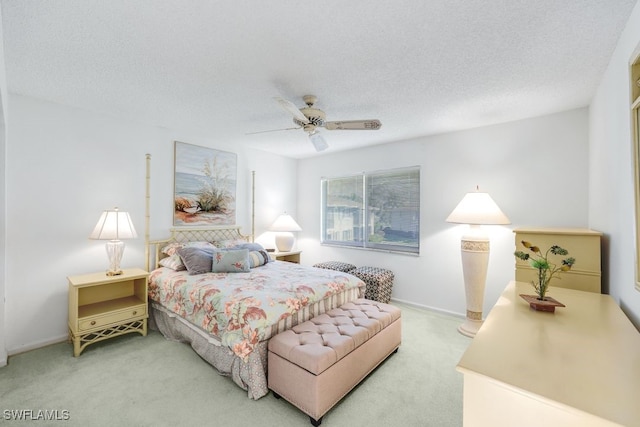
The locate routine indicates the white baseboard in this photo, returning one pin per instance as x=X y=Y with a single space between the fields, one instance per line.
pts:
x=36 y=345
x=429 y=308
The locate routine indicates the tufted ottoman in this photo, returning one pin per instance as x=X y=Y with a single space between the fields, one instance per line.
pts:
x=379 y=282
x=316 y=363
x=336 y=265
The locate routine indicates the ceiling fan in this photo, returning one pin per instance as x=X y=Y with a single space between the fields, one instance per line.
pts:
x=310 y=119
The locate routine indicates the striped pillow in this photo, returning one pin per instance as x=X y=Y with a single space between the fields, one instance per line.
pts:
x=258 y=258
x=173 y=262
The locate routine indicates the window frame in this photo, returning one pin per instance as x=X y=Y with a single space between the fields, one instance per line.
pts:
x=364 y=216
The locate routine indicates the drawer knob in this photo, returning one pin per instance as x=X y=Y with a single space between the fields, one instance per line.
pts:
x=135 y=312
x=93 y=322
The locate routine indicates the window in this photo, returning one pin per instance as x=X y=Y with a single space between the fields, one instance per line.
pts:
x=375 y=210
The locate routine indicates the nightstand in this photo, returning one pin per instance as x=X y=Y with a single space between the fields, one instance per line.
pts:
x=102 y=307
x=293 y=256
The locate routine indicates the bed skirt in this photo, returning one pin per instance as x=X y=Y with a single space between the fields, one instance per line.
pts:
x=250 y=375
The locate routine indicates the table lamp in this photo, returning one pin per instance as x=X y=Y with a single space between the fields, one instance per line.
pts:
x=283 y=226
x=113 y=226
x=475 y=209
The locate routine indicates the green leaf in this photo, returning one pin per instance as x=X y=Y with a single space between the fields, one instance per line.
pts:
x=541 y=264
x=557 y=250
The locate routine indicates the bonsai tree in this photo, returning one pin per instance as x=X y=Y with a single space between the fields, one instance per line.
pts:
x=547 y=270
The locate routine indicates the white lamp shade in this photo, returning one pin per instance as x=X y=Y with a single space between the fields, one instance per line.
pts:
x=283 y=226
x=478 y=208
x=285 y=223
x=114 y=225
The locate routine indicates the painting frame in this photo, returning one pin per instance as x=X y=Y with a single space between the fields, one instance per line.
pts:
x=204 y=186
x=634 y=97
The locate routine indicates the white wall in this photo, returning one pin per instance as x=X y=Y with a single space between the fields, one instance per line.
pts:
x=611 y=189
x=535 y=170
x=64 y=167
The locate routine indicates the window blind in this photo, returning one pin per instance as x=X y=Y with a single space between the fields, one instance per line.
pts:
x=375 y=210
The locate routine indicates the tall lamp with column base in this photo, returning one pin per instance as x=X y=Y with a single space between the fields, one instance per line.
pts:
x=475 y=209
x=113 y=226
x=283 y=226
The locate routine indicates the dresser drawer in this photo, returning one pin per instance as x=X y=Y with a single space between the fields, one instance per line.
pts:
x=113 y=317
x=584 y=248
x=590 y=282
x=582 y=244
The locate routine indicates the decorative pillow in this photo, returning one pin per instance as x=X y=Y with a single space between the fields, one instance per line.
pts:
x=258 y=258
x=254 y=247
x=230 y=261
x=173 y=262
x=249 y=246
x=197 y=260
x=231 y=243
x=171 y=248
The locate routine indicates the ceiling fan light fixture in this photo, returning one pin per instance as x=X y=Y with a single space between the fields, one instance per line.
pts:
x=318 y=141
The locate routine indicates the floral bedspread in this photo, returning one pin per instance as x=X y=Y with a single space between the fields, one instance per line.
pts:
x=241 y=308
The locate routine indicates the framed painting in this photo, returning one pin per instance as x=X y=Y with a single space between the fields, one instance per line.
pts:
x=634 y=73
x=204 y=186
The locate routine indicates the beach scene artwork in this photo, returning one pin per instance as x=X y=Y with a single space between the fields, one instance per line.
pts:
x=205 y=186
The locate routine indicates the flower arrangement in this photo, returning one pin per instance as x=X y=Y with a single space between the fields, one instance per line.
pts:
x=546 y=269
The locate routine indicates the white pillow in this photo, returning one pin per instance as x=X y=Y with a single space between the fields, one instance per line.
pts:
x=173 y=262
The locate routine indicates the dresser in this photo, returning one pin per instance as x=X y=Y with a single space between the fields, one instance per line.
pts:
x=582 y=244
x=579 y=366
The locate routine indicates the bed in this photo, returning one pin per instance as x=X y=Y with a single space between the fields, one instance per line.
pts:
x=228 y=316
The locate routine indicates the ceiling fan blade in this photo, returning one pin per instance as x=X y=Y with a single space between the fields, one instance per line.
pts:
x=318 y=141
x=354 y=125
x=292 y=109
x=272 y=130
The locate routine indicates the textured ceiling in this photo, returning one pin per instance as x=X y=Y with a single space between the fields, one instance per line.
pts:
x=213 y=67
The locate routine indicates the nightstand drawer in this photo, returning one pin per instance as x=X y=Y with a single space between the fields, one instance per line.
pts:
x=114 y=317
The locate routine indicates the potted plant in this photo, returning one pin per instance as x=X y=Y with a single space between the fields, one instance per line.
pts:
x=546 y=270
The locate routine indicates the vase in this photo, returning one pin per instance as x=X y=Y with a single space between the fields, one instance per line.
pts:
x=547 y=304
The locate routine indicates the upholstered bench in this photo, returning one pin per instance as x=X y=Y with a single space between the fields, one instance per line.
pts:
x=316 y=363
x=379 y=282
x=336 y=265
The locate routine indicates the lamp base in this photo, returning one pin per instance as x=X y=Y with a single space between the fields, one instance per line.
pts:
x=115 y=249
x=474 y=247
x=284 y=241
x=470 y=327
x=114 y=273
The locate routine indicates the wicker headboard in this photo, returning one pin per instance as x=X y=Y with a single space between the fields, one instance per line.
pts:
x=192 y=234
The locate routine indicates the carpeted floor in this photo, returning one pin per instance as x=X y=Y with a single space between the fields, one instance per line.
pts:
x=149 y=381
